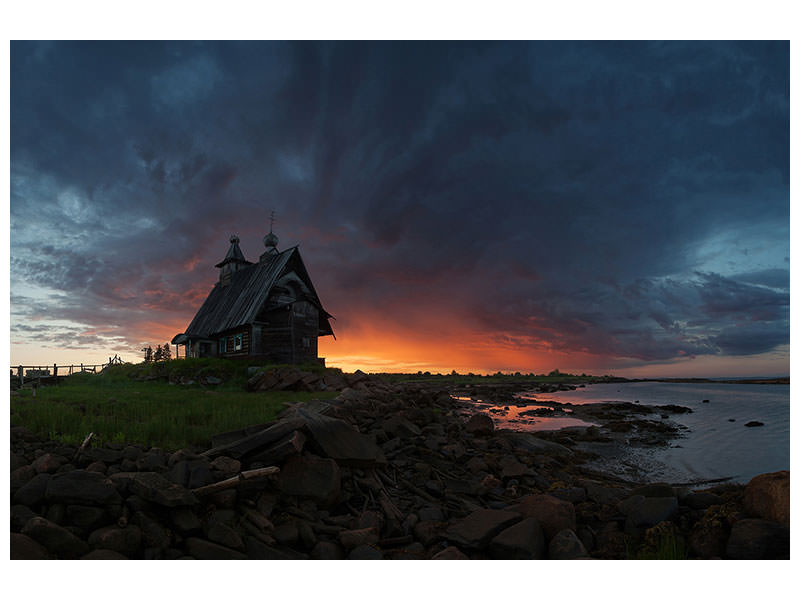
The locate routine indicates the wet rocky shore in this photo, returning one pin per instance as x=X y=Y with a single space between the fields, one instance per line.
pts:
x=384 y=471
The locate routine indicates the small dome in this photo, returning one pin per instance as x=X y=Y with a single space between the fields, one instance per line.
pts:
x=234 y=239
x=270 y=240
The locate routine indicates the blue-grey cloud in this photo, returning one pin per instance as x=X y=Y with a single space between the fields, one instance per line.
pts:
x=568 y=193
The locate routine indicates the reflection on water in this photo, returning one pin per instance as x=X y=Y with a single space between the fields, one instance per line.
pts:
x=529 y=417
x=716 y=443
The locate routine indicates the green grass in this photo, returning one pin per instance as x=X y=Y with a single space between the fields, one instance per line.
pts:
x=154 y=413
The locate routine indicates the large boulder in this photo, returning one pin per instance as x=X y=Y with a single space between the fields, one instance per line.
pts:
x=565 y=545
x=767 y=497
x=48 y=463
x=652 y=510
x=525 y=540
x=58 y=541
x=758 y=539
x=551 y=513
x=25 y=548
x=479 y=527
x=479 y=424
x=311 y=477
x=205 y=550
x=32 y=493
x=81 y=487
x=339 y=441
x=125 y=540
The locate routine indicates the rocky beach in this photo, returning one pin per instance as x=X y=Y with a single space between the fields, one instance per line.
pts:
x=386 y=471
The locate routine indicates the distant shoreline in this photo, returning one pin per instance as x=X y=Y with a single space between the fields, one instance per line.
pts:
x=766 y=381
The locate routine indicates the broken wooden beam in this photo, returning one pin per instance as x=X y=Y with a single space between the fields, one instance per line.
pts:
x=236 y=480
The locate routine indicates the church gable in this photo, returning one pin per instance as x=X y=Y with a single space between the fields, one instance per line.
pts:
x=269 y=308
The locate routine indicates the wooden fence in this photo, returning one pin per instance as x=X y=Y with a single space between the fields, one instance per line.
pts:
x=38 y=372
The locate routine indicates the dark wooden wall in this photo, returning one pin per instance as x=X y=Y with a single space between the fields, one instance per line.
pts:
x=288 y=334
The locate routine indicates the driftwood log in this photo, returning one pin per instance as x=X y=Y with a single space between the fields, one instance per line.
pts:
x=234 y=481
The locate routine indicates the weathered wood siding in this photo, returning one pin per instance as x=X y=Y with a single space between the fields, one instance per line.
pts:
x=288 y=334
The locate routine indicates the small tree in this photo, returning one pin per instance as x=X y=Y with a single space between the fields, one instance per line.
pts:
x=158 y=355
x=148 y=354
x=166 y=353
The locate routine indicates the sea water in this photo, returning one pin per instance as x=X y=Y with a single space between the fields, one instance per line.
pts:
x=716 y=443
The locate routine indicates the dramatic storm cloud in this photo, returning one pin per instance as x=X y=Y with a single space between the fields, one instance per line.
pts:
x=476 y=206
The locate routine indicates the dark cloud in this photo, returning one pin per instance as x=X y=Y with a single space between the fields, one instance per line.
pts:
x=566 y=195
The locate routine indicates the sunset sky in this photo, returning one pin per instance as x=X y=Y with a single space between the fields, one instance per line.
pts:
x=594 y=207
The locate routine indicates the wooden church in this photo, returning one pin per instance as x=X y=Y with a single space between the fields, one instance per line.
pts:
x=267 y=309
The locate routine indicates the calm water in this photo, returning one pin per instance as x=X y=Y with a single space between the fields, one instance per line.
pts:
x=714 y=446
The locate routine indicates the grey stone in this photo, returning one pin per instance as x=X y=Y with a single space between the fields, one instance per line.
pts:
x=701 y=500
x=312 y=477
x=430 y=513
x=278 y=452
x=553 y=514
x=25 y=548
x=327 y=551
x=629 y=505
x=654 y=490
x=226 y=466
x=184 y=520
x=286 y=533
x=97 y=466
x=155 y=488
x=48 y=463
x=220 y=533
x=570 y=494
x=365 y=553
x=754 y=539
x=205 y=550
x=19 y=477
x=524 y=540
x=154 y=460
x=125 y=540
x=479 y=527
x=531 y=443
x=32 y=493
x=105 y=455
x=56 y=539
x=154 y=534
x=398 y=426
x=56 y=513
x=87 y=518
x=600 y=493
x=82 y=487
x=104 y=554
x=352 y=538
x=479 y=424
x=565 y=545
x=511 y=468
x=17 y=461
x=340 y=441
x=450 y=553
x=20 y=515
x=652 y=511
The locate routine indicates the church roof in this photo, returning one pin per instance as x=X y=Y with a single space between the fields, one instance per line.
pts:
x=234 y=254
x=239 y=302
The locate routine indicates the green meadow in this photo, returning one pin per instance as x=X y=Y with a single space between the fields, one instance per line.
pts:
x=119 y=408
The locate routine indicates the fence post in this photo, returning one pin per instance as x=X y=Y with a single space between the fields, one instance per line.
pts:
x=81 y=367
x=55 y=370
x=21 y=378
